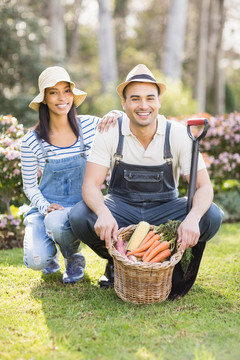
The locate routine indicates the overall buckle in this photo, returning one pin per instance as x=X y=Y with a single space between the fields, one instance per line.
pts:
x=117 y=158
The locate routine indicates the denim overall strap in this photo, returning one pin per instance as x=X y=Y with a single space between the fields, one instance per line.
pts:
x=167 y=150
x=118 y=155
x=44 y=152
x=83 y=147
x=138 y=183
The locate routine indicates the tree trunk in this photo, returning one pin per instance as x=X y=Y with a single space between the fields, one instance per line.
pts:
x=6 y=200
x=175 y=36
x=58 y=33
x=74 y=39
x=219 y=98
x=201 y=81
x=120 y=14
x=107 y=50
x=215 y=79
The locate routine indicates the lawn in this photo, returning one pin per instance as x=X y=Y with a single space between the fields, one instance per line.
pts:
x=40 y=318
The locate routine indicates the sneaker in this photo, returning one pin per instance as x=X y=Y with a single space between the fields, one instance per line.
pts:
x=52 y=267
x=74 y=270
x=107 y=280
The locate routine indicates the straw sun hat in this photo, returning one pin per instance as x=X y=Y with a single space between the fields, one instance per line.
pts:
x=140 y=73
x=50 y=77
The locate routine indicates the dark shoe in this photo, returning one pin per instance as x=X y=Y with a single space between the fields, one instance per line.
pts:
x=74 y=269
x=107 y=280
x=52 y=267
x=183 y=282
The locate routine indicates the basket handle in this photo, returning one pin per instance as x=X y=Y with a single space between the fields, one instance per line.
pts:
x=111 y=246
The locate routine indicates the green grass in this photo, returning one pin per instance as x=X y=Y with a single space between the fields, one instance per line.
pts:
x=40 y=318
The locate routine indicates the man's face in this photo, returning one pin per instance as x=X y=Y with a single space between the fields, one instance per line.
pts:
x=142 y=104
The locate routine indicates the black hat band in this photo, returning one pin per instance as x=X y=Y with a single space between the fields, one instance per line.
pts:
x=148 y=77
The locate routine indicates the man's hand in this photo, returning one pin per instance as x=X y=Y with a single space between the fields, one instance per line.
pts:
x=53 y=207
x=106 y=227
x=188 y=233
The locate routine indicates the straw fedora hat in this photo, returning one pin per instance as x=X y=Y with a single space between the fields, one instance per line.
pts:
x=50 y=77
x=140 y=73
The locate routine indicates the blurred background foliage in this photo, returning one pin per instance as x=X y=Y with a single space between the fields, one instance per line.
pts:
x=99 y=41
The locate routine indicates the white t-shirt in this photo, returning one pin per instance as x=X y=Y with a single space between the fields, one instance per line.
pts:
x=105 y=145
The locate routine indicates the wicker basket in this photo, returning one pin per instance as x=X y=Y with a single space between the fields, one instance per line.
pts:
x=142 y=283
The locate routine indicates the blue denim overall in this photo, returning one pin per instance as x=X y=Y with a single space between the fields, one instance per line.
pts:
x=139 y=183
x=135 y=193
x=61 y=183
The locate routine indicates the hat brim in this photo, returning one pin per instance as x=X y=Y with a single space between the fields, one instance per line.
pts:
x=120 y=88
x=78 y=97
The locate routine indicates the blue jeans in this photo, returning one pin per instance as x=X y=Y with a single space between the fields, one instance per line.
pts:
x=39 y=249
x=82 y=219
x=43 y=233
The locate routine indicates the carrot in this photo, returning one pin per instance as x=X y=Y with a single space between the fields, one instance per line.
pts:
x=155 y=244
x=146 y=245
x=148 y=237
x=161 y=256
x=139 y=255
x=162 y=246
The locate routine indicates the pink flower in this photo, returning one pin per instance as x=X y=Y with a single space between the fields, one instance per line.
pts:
x=12 y=154
x=12 y=129
x=15 y=222
x=7 y=141
x=16 y=172
x=3 y=223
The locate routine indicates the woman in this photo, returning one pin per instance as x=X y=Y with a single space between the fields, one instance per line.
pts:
x=57 y=146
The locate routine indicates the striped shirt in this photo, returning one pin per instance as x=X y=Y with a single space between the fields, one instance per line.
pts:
x=33 y=162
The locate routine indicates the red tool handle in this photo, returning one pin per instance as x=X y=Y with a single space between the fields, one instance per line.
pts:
x=196 y=122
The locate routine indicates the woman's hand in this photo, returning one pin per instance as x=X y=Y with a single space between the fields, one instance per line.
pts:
x=53 y=207
x=107 y=120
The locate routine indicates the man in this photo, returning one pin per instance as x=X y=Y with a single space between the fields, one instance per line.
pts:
x=145 y=154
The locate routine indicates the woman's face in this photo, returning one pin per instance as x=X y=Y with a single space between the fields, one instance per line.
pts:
x=59 y=99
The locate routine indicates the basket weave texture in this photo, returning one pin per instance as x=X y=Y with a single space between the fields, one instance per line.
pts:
x=142 y=283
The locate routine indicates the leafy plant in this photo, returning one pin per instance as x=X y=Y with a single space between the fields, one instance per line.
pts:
x=221 y=148
x=10 y=179
x=229 y=201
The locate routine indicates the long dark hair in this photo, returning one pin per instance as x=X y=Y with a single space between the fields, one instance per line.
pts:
x=42 y=127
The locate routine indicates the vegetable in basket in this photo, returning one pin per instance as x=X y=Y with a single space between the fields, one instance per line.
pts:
x=121 y=246
x=153 y=245
x=138 y=235
x=156 y=242
x=162 y=255
x=146 y=245
x=161 y=247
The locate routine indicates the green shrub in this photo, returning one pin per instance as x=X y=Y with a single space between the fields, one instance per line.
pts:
x=229 y=202
x=177 y=100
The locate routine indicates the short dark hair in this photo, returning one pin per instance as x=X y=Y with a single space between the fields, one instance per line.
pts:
x=141 y=82
x=42 y=127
